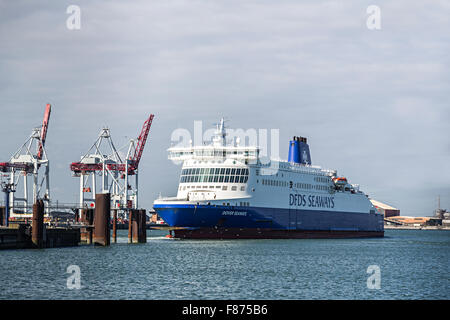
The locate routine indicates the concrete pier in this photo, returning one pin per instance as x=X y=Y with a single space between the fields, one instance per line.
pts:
x=101 y=219
x=18 y=236
x=93 y=226
x=15 y=238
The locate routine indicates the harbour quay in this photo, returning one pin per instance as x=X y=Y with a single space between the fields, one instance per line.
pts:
x=108 y=194
x=18 y=236
x=93 y=226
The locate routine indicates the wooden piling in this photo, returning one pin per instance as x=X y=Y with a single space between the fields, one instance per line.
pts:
x=101 y=219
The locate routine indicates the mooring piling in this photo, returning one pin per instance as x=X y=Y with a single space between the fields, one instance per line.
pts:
x=114 y=225
x=130 y=226
x=137 y=232
x=143 y=227
x=37 y=227
x=135 y=225
x=2 y=216
x=101 y=219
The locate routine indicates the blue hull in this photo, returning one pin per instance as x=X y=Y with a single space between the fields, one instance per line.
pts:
x=206 y=221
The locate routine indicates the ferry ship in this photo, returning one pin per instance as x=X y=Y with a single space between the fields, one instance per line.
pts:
x=227 y=192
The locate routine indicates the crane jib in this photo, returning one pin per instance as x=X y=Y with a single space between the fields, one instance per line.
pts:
x=44 y=129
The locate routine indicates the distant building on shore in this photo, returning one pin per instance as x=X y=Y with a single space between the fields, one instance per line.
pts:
x=392 y=216
x=385 y=209
x=155 y=218
x=417 y=221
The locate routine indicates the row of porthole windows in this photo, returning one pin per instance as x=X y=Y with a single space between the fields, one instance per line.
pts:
x=298 y=185
x=242 y=204
x=275 y=183
x=322 y=179
x=278 y=183
x=324 y=188
x=214 y=171
x=224 y=188
x=220 y=179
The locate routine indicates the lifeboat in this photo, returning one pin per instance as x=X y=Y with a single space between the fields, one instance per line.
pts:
x=340 y=181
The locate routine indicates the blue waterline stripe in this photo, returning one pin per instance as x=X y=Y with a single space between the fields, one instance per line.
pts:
x=193 y=206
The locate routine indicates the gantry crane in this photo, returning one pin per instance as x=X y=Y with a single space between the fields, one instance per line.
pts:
x=113 y=170
x=28 y=161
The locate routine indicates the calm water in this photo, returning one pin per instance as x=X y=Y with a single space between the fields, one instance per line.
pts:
x=413 y=265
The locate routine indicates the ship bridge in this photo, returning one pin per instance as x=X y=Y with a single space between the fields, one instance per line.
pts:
x=217 y=150
x=205 y=153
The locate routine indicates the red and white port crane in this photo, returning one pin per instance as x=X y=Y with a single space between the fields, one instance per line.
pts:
x=27 y=161
x=114 y=172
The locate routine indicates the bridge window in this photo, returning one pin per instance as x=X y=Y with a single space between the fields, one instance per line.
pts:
x=228 y=175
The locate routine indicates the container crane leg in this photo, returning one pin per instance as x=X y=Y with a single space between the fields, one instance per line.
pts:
x=10 y=196
x=81 y=191
x=47 y=187
x=25 y=191
x=136 y=195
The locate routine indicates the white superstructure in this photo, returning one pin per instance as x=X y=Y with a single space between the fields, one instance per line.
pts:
x=232 y=175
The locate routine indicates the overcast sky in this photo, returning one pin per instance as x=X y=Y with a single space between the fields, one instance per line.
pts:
x=374 y=104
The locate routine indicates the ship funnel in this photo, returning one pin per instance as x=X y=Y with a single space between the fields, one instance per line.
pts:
x=299 y=151
x=294 y=151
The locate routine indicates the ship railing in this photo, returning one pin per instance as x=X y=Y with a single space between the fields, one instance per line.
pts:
x=282 y=164
x=212 y=157
x=212 y=152
x=172 y=199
